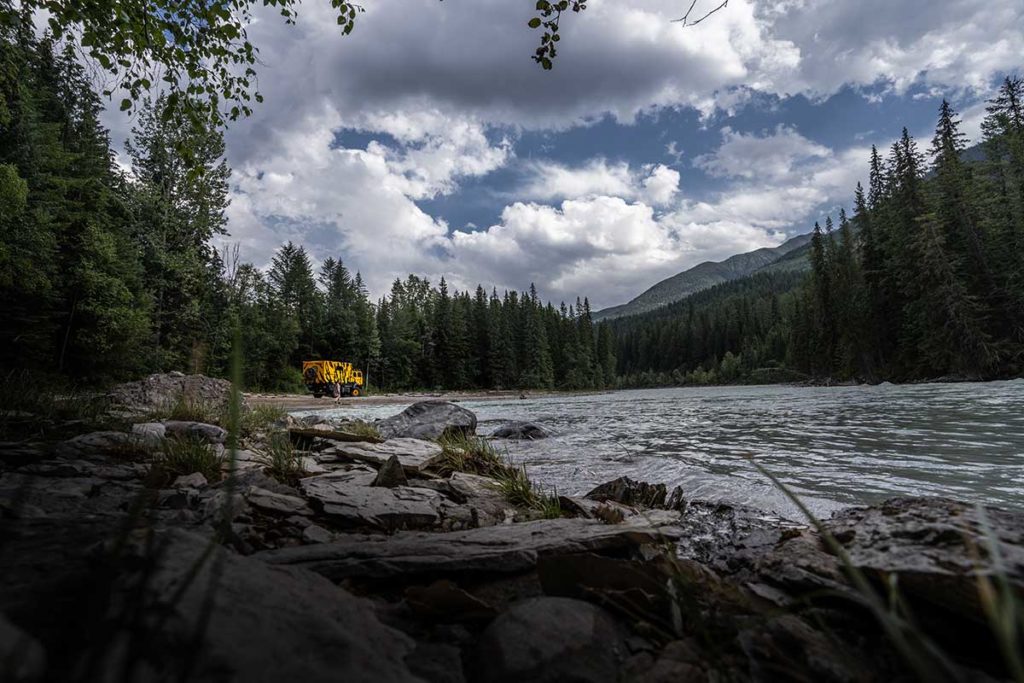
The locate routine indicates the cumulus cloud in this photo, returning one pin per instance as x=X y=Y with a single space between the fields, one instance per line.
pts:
x=447 y=87
x=771 y=156
x=549 y=180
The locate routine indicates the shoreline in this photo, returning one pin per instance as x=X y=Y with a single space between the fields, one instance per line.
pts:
x=294 y=402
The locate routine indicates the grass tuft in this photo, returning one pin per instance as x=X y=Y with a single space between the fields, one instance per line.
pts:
x=180 y=456
x=30 y=406
x=361 y=428
x=260 y=418
x=281 y=460
x=475 y=455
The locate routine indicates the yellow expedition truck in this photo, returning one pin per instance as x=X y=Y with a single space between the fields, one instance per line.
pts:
x=320 y=377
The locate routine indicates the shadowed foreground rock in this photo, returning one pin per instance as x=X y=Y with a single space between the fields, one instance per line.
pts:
x=503 y=549
x=455 y=582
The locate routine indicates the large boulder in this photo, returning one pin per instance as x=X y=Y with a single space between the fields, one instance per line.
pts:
x=428 y=420
x=162 y=391
x=520 y=431
x=550 y=639
x=264 y=623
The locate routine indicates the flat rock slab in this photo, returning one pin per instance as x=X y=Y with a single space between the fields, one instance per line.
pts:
x=278 y=503
x=415 y=455
x=326 y=431
x=505 y=549
x=350 y=497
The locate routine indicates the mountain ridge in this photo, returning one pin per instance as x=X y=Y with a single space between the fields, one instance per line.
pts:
x=708 y=274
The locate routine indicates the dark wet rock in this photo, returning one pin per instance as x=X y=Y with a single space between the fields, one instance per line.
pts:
x=428 y=420
x=550 y=640
x=939 y=548
x=390 y=474
x=444 y=601
x=276 y=503
x=629 y=492
x=415 y=455
x=22 y=658
x=163 y=391
x=197 y=430
x=717 y=534
x=506 y=549
x=517 y=430
x=65 y=497
x=300 y=627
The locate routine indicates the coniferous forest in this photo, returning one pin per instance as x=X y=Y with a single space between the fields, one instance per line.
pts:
x=924 y=280
x=108 y=274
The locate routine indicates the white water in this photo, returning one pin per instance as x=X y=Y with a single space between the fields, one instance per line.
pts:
x=834 y=446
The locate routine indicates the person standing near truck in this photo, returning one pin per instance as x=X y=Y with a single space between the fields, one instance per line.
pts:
x=336 y=391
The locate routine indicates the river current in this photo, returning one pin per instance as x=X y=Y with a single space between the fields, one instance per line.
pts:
x=833 y=446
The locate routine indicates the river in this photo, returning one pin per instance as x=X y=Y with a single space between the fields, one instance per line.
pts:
x=833 y=446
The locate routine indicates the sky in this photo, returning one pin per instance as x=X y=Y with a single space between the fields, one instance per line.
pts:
x=429 y=142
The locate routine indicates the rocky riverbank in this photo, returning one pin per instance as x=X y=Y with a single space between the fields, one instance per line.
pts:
x=407 y=550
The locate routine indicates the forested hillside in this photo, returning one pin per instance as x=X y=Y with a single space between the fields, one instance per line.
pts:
x=107 y=274
x=925 y=280
x=705 y=275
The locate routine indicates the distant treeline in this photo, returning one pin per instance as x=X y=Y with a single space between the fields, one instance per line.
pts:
x=106 y=275
x=925 y=280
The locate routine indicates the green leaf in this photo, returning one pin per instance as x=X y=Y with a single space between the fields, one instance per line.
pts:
x=534 y=23
x=546 y=63
x=126 y=104
x=543 y=5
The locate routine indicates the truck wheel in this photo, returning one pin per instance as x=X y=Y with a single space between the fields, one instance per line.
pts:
x=316 y=395
x=355 y=391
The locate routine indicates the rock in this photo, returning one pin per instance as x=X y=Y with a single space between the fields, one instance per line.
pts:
x=428 y=420
x=415 y=455
x=328 y=431
x=550 y=640
x=391 y=474
x=190 y=481
x=151 y=432
x=163 y=391
x=351 y=498
x=506 y=549
x=517 y=430
x=446 y=602
x=219 y=505
x=277 y=503
x=99 y=443
x=939 y=548
x=479 y=494
x=22 y=658
x=264 y=623
x=437 y=663
x=316 y=534
x=628 y=492
x=199 y=430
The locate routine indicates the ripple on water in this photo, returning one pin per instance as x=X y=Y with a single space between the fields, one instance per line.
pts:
x=835 y=446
